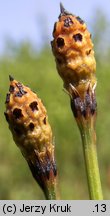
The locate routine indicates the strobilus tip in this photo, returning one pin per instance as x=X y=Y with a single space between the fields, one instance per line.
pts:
x=11 y=78
x=63 y=11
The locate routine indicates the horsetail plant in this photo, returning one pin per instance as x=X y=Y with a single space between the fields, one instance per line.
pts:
x=74 y=55
x=28 y=122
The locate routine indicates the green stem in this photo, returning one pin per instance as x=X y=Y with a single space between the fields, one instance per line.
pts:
x=91 y=162
x=51 y=192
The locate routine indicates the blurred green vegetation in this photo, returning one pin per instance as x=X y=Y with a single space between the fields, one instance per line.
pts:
x=38 y=71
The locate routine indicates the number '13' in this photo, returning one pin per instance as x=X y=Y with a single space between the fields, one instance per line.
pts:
x=101 y=208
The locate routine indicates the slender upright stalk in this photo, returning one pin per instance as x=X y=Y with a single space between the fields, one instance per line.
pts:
x=84 y=111
x=91 y=162
x=51 y=192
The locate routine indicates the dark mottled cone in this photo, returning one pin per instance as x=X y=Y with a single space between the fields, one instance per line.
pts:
x=28 y=122
x=73 y=51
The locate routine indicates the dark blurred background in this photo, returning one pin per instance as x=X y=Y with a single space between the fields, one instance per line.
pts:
x=25 y=53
